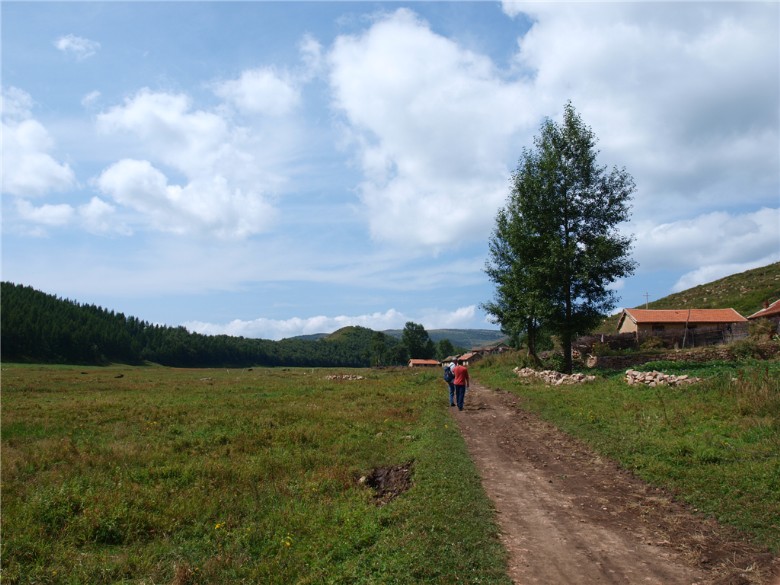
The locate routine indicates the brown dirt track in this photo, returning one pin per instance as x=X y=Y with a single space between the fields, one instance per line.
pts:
x=568 y=516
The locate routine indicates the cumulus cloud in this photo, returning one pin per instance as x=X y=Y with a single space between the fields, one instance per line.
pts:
x=282 y=328
x=225 y=191
x=189 y=140
x=98 y=217
x=47 y=215
x=78 y=47
x=431 y=135
x=206 y=205
x=260 y=91
x=29 y=170
x=676 y=93
x=710 y=246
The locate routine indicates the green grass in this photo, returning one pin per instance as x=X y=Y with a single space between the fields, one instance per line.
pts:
x=716 y=443
x=242 y=476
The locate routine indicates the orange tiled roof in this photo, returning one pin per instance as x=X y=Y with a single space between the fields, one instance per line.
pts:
x=773 y=309
x=416 y=362
x=684 y=316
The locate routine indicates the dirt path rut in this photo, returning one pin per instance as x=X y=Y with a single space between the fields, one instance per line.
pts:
x=568 y=516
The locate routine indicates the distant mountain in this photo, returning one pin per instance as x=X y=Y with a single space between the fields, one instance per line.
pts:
x=744 y=292
x=465 y=338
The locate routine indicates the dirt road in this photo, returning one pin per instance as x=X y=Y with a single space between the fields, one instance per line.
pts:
x=568 y=516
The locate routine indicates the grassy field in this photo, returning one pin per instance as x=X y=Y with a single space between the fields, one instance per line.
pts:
x=158 y=475
x=715 y=443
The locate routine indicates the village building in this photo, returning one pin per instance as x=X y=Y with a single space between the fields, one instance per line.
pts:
x=659 y=321
x=416 y=363
x=470 y=357
x=770 y=312
x=492 y=348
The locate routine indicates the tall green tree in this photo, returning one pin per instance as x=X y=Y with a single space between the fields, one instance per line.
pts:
x=378 y=348
x=444 y=349
x=556 y=246
x=417 y=341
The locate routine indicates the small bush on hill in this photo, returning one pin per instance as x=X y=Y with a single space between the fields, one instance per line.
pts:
x=762 y=329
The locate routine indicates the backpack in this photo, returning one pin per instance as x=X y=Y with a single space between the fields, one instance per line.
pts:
x=448 y=375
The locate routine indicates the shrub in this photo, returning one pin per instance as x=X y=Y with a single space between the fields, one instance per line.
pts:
x=652 y=343
x=553 y=361
x=761 y=329
x=745 y=349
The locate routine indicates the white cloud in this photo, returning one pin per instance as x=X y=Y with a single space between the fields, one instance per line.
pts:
x=710 y=243
x=225 y=187
x=29 y=170
x=203 y=205
x=260 y=91
x=46 y=215
x=192 y=141
x=282 y=328
x=677 y=92
x=17 y=104
x=312 y=57
x=432 y=133
x=90 y=99
x=99 y=217
x=78 y=47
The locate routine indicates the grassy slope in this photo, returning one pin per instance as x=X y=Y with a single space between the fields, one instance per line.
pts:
x=745 y=292
x=159 y=475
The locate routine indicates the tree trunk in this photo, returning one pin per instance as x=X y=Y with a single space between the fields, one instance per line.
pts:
x=531 y=331
x=567 y=362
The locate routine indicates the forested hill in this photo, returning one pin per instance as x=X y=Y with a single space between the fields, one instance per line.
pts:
x=38 y=327
x=41 y=328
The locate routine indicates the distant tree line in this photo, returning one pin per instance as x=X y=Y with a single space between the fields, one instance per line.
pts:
x=42 y=328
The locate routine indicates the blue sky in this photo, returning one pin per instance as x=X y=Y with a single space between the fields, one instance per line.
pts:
x=270 y=169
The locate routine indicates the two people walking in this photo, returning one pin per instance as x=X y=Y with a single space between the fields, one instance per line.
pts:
x=457 y=377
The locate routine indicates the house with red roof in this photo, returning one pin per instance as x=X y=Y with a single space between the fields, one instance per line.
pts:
x=416 y=363
x=649 y=321
x=771 y=312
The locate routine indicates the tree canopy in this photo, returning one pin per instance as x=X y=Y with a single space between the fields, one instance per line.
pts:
x=417 y=341
x=556 y=247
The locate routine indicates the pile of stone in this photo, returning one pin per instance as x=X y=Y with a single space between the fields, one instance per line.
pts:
x=553 y=378
x=654 y=378
x=344 y=377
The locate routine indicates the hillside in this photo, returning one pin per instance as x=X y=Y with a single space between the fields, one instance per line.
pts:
x=466 y=338
x=744 y=292
x=41 y=328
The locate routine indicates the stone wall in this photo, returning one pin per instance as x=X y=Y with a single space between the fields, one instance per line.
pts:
x=767 y=350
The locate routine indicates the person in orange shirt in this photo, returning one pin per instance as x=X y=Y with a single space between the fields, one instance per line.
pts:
x=461 y=382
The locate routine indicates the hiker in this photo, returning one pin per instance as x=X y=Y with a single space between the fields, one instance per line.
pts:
x=449 y=377
x=461 y=383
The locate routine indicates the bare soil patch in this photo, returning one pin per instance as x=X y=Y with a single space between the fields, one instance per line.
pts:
x=567 y=515
x=389 y=482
